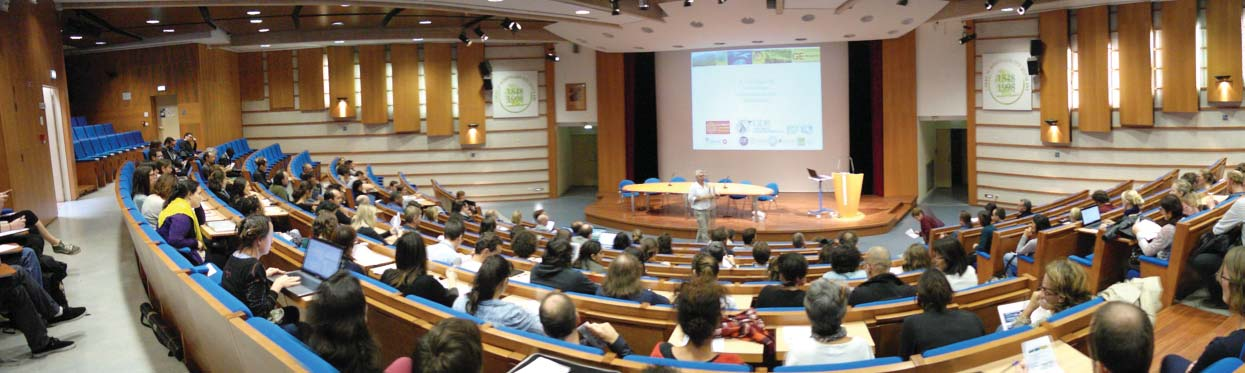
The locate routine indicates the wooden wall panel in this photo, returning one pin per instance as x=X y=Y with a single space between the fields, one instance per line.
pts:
x=970 y=89
x=280 y=80
x=471 y=94
x=1178 y=42
x=311 y=79
x=1223 y=51
x=438 y=89
x=375 y=105
x=341 y=81
x=97 y=83
x=899 y=125
x=1053 y=83
x=221 y=96
x=611 y=124
x=405 y=60
x=551 y=110
x=1093 y=66
x=1134 y=26
x=251 y=75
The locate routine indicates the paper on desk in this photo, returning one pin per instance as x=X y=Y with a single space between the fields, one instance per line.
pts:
x=10 y=248
x=222 y=225
x=525 y=277
x=543 y=365
x=1040 y=356
x=364 y=256
x=381 y=269
x=15 y=231
x=719 y=344
x=896 y=270
x=607 y=240
x=549 y=225
x=1009 y=312
x=912 y=233
x=211 y=269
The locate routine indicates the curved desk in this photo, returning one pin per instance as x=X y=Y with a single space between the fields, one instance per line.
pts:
x=723 y=189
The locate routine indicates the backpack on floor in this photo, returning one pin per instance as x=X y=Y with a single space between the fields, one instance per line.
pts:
x=164 y=332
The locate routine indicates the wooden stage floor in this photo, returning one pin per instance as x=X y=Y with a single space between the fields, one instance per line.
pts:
x=790 y=215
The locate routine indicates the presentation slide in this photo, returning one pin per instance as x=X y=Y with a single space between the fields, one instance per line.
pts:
x=757 y=99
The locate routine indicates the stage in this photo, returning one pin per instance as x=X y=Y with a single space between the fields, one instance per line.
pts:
x=790 y=215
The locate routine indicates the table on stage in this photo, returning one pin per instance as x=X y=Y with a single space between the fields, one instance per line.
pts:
x=723 y=189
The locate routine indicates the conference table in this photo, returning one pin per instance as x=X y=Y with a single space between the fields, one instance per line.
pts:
x=722 y=189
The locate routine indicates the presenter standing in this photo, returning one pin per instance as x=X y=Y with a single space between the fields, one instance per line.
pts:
x=702 y=197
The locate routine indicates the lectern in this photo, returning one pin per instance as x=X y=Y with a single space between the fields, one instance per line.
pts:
x=847 y=194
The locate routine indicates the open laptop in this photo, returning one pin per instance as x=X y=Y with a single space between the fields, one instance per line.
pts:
x=322 y=260
x=812 y=174
x=1090 y=215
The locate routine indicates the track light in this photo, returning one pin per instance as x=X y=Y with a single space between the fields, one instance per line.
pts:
x=512 y=25
x=642 y=4
x=1024 y=7
x=990 y=4
x=614 y=8
x=462 y=36
x=720 y=2
x=480 y=32
x=903 y=3
x=551 y=55
x=968 y=37
x=688 y=2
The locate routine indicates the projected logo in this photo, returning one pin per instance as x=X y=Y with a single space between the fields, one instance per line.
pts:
x=1007 y=82
x=515 y=94
x=718 y=127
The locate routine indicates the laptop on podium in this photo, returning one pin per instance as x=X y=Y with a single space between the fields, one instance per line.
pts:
x=322 y=260
x=812 y=174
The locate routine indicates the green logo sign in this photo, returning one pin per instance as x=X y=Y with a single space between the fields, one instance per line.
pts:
x=516 y=94
x=1007 y=81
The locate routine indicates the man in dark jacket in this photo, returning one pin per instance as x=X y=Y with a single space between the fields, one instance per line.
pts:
x=555 y=270
x=882 y=285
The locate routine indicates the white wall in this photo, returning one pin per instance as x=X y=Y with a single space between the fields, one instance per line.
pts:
x=940 y=71
x=576 y=68
x=787 y=168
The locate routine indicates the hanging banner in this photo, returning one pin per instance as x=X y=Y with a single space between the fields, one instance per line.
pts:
x=1006 y=84
x=515 y=94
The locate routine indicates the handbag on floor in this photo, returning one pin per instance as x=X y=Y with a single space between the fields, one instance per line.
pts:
x=164 y=332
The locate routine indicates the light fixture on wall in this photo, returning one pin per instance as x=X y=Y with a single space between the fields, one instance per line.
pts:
x=688 y=2
x=342 y=105
x=510 y=24
x=462 y=36
x=1024 y=7
x=480 y=32
x=473 y=126
x=990 y=4
x=552 y=55
x=1223 y=89
x=642 y=4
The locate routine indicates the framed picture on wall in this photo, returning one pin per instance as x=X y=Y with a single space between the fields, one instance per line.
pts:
x=576 y=96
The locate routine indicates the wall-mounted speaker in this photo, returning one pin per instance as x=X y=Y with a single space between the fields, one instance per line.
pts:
x=1036 y=48
x=1035 y=67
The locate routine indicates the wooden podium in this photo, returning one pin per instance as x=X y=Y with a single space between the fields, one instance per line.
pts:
x=847 y=194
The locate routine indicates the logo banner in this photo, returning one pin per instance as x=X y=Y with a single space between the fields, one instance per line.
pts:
x=515 y=94
x=1006 y=84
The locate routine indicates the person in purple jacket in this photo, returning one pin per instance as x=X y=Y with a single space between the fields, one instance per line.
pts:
x=180 y=219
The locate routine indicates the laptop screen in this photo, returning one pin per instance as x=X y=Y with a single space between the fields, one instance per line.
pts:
x=813 y=174
x=323 y=259
x=1090 y=215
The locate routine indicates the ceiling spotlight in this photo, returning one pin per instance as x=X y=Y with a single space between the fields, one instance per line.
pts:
x=75 y=37
x=1005 y=10
x=551 y=55
x=153 y=21
x=968 y=37
x=462 y=36
x=511 y=25
x=265 y=45
x=169 y=30
x=257 y=20
x=642 y=4
x=417 y=39
x=903 y=3
x=688 y=2
x=338 y=23
x=1024 y=7
x=990 y=4
x=101 y=42
x=425 y=22
x=345 y=5
x=339 y=42
x=582 y=12
x=480 y=32
x=614 y=8
x=252 y=12
x=264 y=30
x=720 y=2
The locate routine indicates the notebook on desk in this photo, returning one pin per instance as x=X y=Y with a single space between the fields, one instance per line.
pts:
x=13 y=232
x=322 y=260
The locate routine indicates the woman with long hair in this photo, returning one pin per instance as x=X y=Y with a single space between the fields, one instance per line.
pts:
x=411 y=273
x=364 y=220
x=589 y=257
x=948 y=256
x=915 y=258
x=142 y=183
x=339 y=331
x=623 y=281
x=1231 y=278
x=346 y=238
x=179 y=221
x=937 y=326
x=705 y=268
x=484 y=300
x=699 y=309
x=163 y=190
x=245 y=276
x=1064 y=285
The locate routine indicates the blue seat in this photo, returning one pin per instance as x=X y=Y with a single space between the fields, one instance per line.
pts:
x=374 y=282
x=231 y=303
x=176 y=257
x=1075 y=309
x=1225 y=365
x=1088 y=262
x=78 y=133
x=216 y=274
x=291 y=345
x=107 y=128
x=552 y=341
x=771 y=198
x=624 y=194
x=1153 y=260
x=884 y=302
x=678 y=179
x=693 y=365
x=975 y=341
x=841 y=366
x=443 y=308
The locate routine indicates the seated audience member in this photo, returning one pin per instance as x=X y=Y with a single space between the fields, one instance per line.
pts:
x=451 y=346
x=555 y=270
x=1000 y=214
x=334 y=199
x=25 y=219
x=749 y=237
x=1132 y=201
x=1028 y=243
x=1193 y=178
x=1074 y=214
x=165 y=166
x=261 y=171
x=346 y=238
x=322 y=228
x=246 y=277
x=717 y=250
x=1064 y=285
x=317 y=191
x=948 y=256
x=582 y=234
x=31 y=312
x=410 y=276
x=730 y=237
x=590 y=258
x=987 y=232
x=622 y=281
x=1190 y=199
x=339 y=332
x=1161 y=245
x=966 y=220
x=705 y=266
x=523 y=244
x=154 y=151
x=542 y=224
x=649 y=246
x=189 y=146
x=562 y=234
x=1026 y=208
x=142 y=182
x=488 y=224
x=279 y=186
x=1209 y=178
x=179 y=221
x=1121 y=338
x=1236 y=182
x=792 y=271
x=761 y=254
x=825 y=304
x=915 y=258
x=470 y=206
x=226 y=160
x=1103 y=200
x=637 y=235
x=797 y=240
x=665 y=244
x=248 y=206
x=882 y=284
x=699 y=309
x=364 y=222
x=303 y=197
x=446 y=248
x=622 y=241
x=1205 y=263
x=937 y=326
x=165 y=185
x=1231 y=278
x=234 y=190
x=927 y=221
x=484 y=300
x=990 y=207
x=559 y=320
x=844 y=263
x=487 y=245
x=849 y=239
x=410 y=219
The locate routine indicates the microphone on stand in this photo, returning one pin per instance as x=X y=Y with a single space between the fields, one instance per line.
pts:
x=670 y=181
x=851 y=165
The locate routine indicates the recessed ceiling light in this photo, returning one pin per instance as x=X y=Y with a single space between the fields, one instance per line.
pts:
x=338 y=41
x=252 y=12
x=75 y=37
x=719 y=43
x=801 y=39
x=338 y=23
x=417 y=39
x=425 y=22
x=265 y=45
x=849 y=36
x=345 y=5
x=808 y=17
x=1008 y=9
x=866 y=19
x=582 y=12
x=153 y=21
x=169 y=30
x=677 y=46
x=907 y=21
x=757 y=41
x=257 y=20
x=101 y=42
x=264 y=30
x=494 y=1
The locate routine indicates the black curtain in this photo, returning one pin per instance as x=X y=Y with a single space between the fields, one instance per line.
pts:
x=864 y=119
x=641 y=95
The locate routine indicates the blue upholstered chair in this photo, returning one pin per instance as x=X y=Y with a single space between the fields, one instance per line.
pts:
x=624 y=194
x=771 y=198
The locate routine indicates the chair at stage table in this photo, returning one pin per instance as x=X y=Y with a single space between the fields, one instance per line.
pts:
x=625 y=194
x=737 y=197
x=771 y=198
x=648 y=197
x=687 y=208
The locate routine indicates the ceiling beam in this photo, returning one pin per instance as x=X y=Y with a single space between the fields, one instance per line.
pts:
x=276 y=38
x=207 y=16
x=102 y=23
x=389 y=17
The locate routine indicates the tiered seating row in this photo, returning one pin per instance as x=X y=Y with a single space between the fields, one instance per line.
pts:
x=97 y=157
